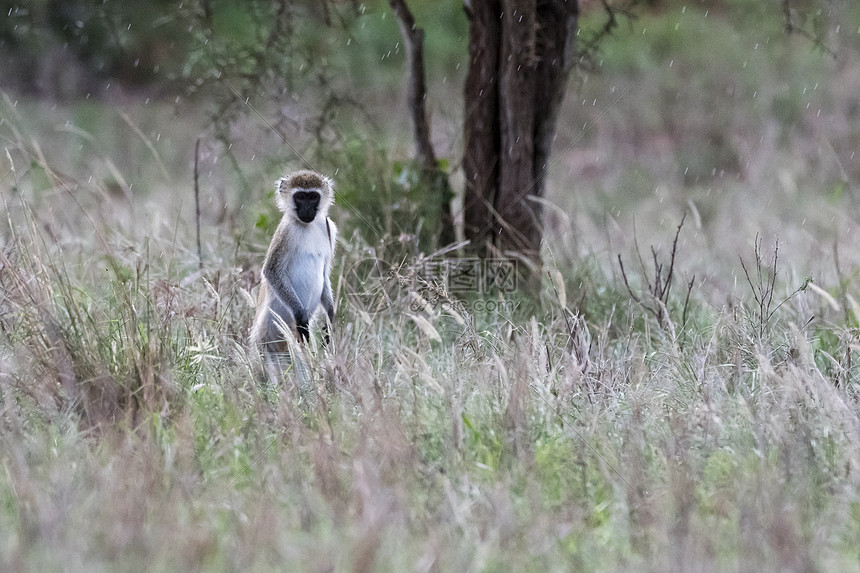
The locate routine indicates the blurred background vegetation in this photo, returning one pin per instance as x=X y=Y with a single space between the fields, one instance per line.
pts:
x=319 y=77
x=706 y=81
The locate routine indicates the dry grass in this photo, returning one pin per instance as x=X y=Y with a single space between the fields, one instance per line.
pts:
x=569 y=431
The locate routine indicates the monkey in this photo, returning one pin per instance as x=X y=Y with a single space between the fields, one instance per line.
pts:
x=295 y=279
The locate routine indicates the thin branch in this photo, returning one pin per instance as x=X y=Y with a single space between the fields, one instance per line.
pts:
x=749 y=280
x=792 y=28
x=764 y=289
x=626 y=283
x=639 y=255
x=197 y=201
x=413 y=42
x=672 y=258
x=591 y=43
x=687 y=302
x=662 y=285
x=772 y=286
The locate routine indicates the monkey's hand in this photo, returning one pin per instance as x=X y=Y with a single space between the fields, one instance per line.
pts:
x=302 y=317
x=327 y=302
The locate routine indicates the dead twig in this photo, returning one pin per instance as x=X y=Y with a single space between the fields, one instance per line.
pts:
x=655 y=299
x=764 y=285
x=197 y=201
x=793 y=27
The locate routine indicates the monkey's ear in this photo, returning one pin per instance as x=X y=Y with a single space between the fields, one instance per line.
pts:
x=329 y=182
x=282 y=198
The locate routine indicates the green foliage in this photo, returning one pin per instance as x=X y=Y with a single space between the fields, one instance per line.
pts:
x=385 y=200
x=133 y=43
x=597 y=299
x=662 y=54
x=484 y=445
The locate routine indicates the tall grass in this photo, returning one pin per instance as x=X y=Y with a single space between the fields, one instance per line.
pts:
x=136 y=435
x=564 y=430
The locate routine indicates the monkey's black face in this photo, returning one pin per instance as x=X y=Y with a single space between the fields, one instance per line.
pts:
x=307 y=203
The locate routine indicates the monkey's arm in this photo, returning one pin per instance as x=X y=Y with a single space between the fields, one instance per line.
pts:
x=327 y=302
x=327 y=299
x=283 y=291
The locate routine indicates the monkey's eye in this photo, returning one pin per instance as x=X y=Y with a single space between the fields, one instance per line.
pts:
x=306 y=196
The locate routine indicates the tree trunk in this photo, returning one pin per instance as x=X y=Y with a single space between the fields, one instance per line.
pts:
x=521 y=53
x=481 y=129
x=517 y=219
x=433 y=177
x=558 y=21
x=413 y=42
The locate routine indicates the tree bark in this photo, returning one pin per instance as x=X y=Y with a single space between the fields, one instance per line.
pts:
x=510 y=121
x=481 y=129
x=558 y=21
x=518 y=222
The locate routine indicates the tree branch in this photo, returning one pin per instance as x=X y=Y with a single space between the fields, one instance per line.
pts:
x=197 y=202
x=413 y=42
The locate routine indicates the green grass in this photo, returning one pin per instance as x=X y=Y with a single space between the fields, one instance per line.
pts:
x=565 y=431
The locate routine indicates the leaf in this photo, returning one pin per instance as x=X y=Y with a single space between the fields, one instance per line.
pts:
x=467 y=422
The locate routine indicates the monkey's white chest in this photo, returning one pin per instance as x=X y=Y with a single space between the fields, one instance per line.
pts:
x=308 y=274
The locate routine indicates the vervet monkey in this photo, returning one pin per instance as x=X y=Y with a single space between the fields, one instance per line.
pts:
x=295 y=277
